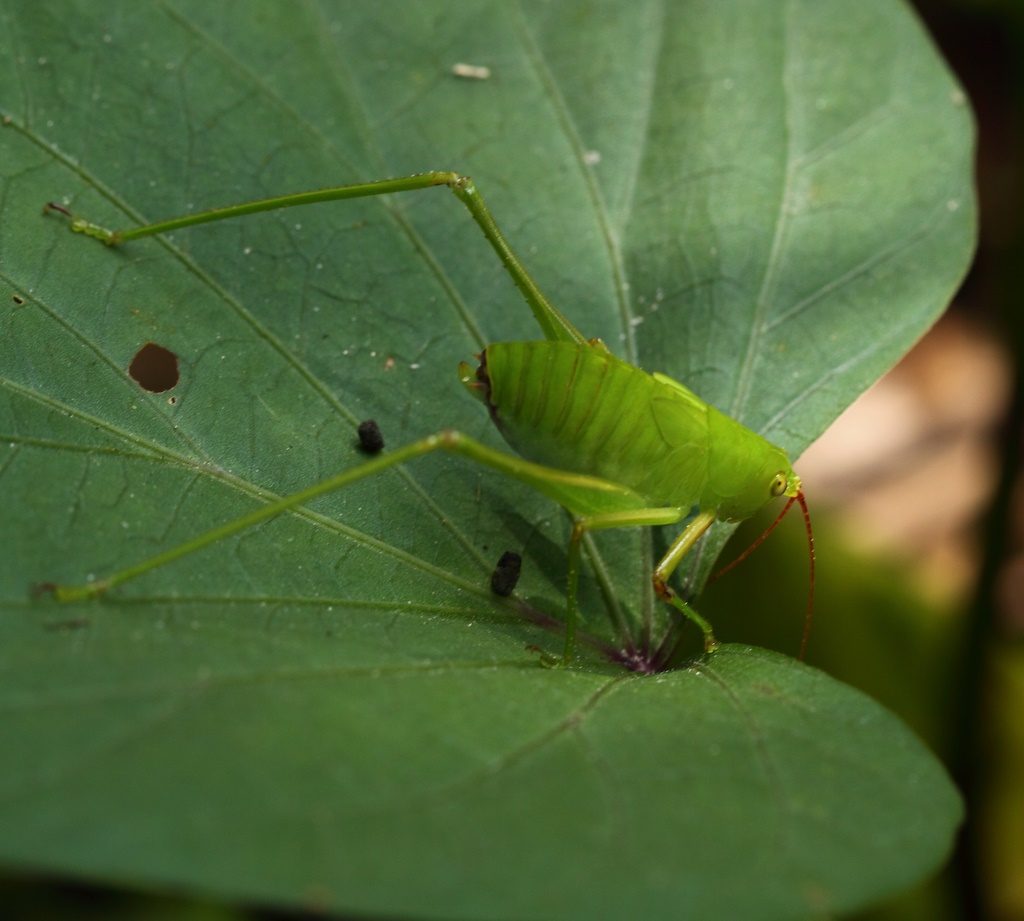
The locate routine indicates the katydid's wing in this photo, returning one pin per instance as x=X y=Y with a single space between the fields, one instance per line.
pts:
x=684 y=393
x=682 y=421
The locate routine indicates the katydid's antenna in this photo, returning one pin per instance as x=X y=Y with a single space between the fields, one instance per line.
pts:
x=799 y=497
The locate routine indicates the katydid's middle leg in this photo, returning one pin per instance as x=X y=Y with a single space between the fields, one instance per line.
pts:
x=680 y=547
x=641 y=517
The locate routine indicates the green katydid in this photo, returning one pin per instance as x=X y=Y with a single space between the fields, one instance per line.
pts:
x=615 y=446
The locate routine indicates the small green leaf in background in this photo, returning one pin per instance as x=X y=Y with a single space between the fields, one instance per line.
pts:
x=768 y=201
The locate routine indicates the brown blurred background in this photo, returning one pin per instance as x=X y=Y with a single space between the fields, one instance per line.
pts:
x=924 y=478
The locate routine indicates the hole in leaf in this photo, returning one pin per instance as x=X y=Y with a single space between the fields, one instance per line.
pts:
x=154 y=368
x=18 y=299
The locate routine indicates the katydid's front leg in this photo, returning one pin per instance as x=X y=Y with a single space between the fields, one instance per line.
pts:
x=682 y=545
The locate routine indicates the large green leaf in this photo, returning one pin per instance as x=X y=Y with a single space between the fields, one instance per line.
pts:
x=769 y=201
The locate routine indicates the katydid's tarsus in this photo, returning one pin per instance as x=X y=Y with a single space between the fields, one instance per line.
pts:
x=616 y=446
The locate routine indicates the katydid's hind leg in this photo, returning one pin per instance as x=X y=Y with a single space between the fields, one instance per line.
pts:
x=557 y=484
x=552 y=322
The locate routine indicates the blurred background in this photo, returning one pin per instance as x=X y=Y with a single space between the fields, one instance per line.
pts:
x=918 y=505
x=938 y=501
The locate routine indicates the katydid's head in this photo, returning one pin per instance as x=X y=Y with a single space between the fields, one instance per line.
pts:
x=786 y=485
x=746 y=479
x=745 y=471
x=774 y=478
x=745 y=476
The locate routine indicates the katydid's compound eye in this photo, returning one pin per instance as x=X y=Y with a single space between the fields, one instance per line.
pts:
x=779 y=484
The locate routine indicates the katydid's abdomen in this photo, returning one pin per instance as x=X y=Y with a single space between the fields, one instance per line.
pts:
x=579 y=408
